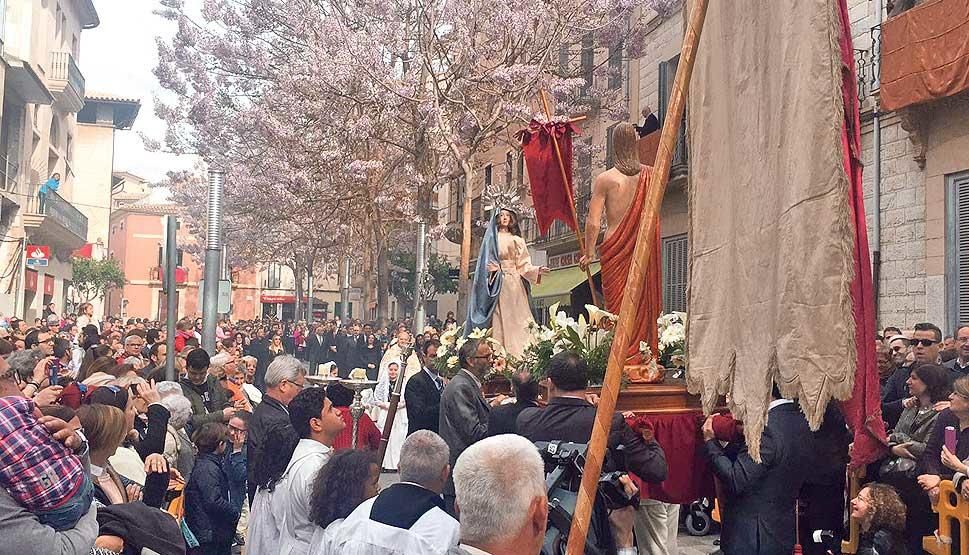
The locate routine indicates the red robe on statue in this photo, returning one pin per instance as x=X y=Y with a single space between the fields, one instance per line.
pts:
x=615 y=256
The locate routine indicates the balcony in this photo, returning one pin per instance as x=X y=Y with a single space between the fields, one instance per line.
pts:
x=156 y=274
x=925 y=55
x=57 y=223
x=66 y=82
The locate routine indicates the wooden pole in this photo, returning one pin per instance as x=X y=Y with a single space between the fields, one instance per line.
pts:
x=634 y=284
x=392 y=409
x=568 y=191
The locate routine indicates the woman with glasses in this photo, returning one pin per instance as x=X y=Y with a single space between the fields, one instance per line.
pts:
x=881 y=513
x=938 y=462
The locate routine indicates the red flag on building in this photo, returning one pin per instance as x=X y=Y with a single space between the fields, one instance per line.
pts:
x=550 y=195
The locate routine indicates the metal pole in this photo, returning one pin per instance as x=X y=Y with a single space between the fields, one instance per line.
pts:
x=309 y=294
x=876 y=145
x=21 y=300
x=419 y=270
x=345 y=293
x=171 y=295
x=213 y=259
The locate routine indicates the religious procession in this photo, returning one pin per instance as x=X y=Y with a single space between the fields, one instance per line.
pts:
x=479 y=277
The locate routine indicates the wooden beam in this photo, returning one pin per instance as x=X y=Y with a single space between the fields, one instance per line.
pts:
x=635 y=284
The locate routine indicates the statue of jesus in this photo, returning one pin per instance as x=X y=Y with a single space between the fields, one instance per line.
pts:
x=621 y=191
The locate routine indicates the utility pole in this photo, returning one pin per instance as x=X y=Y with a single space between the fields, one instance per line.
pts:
x=345 y=292
x=420 y=269
x=171 y=298
x=213 y=259
x=309 y=293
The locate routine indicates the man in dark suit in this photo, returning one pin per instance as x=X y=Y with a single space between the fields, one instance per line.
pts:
x=464 y=410
x=503 y=419
x=422 y=396
x=760 y=497
x=570 y=417
x=315 y=351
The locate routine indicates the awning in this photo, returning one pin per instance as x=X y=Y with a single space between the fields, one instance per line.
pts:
x=22 y=78
x=558 y=285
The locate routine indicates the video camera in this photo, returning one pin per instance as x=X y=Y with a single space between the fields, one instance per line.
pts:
x=564 y=462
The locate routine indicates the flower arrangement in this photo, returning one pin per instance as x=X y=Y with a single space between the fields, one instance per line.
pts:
x=590 y=338
x=672 y=339
x=447 y=363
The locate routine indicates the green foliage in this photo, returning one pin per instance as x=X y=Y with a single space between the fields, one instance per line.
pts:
x=404 y=270
x=93 y=278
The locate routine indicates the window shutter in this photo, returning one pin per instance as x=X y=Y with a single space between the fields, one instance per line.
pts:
x=675 y=268
x=961 y=187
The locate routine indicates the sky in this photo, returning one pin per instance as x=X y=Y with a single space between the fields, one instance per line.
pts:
x=117 y=58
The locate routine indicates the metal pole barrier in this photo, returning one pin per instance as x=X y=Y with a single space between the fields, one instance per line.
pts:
x=171 y=295
x=420 y=268
x=213 y=260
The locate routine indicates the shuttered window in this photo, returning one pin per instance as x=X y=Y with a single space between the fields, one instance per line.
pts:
x=675 y=273
x=959 y=245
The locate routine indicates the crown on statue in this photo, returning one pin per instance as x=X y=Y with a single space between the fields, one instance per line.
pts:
x=506 y=197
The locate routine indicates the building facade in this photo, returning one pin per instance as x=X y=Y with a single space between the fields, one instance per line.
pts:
x=42 y=92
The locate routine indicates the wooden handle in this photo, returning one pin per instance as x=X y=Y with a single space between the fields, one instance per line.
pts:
x=634 y=285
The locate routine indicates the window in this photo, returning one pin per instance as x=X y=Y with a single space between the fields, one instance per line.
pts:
x=957 y=249
x=675 y=272
x=667 y=74
x=583 y=162
x=588 y=64
x=615 y=67
x=488 y=170
x=521 y=169
x=456 y=199
x=274 y=276
x=54 y=135
x=610 y=154
x=509 y=167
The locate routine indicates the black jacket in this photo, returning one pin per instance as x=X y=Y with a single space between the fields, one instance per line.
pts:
x=259 y=349
x=209 y=513
x=570 y=419
x=423 y=402
x=503 y=419
x=463 y=419
x=141 y=526
x=893 y=392
x=269 y=428
x=370 y=356
x=759 y=509
x=315 y=352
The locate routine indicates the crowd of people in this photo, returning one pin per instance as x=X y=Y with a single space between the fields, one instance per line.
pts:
x=101 y=454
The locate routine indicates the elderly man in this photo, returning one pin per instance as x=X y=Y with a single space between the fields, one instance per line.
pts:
x=133 y=344
x=500 y=486
x=284 y=379
x=464 y=411
x=407 y=517
x=959 y=366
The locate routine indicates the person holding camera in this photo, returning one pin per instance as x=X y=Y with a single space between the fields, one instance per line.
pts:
x=570 y=416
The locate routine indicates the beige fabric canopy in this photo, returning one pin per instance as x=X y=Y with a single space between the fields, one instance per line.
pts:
x=770 y=225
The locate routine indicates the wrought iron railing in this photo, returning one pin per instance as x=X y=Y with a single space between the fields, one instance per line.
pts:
x=58 y=209
x=868 y=64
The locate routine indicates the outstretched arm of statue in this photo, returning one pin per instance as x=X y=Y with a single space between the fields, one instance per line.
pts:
x=593 y=221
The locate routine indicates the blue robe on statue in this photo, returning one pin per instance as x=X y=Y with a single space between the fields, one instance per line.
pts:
x=484 y=287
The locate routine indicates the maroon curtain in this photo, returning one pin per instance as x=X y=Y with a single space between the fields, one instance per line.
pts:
x=863 y=410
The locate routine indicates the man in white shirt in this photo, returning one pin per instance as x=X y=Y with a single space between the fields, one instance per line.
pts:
x=500 y=488
x=279 y=520
x=409 y=516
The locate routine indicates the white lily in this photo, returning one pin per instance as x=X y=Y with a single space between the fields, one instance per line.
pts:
x=596 y=315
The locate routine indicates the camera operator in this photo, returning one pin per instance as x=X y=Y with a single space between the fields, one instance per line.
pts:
x=569 y=417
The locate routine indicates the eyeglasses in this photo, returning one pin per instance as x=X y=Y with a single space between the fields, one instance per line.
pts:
x=924 y=342
x=489 y=356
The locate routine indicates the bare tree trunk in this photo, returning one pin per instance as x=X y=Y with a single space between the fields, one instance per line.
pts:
x=309 y=289
x=298 y=279
x=383 y=284
x=368 y=263
x=464 y=280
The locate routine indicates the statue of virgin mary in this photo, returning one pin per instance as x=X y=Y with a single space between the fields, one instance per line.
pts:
x=502 y=280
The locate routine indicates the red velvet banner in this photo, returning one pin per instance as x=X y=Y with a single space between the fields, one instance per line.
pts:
x=550 y=194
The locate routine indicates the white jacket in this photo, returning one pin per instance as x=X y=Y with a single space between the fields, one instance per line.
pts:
x=434 y=533
x=279 y=521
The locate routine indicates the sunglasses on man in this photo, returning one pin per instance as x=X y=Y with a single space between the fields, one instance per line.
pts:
x=923 y=342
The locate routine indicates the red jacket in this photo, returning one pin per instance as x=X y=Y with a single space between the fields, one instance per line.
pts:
x=368 y=436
